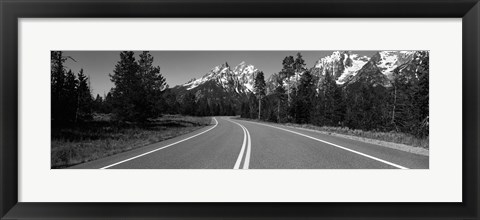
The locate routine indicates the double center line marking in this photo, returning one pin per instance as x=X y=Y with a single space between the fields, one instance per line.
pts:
x=246 y=148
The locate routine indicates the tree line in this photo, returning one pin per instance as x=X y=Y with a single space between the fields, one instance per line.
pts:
x=140 y=93
x=190 y=105
x=319 y=100
x=71 y=99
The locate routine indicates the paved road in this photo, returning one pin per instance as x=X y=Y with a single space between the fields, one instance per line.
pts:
x=237 y=144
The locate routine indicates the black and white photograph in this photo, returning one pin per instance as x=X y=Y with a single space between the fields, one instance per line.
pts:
x=316 y=109
x=359 y=109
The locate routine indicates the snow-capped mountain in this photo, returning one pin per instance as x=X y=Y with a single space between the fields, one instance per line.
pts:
x=245 y=75
x=347 y=68
x=341 y=64
x=345 y=64
x=388 y=61
x=239 y=79
x=223 y=85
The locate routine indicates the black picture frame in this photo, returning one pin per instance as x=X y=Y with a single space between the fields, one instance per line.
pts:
x=12 y=10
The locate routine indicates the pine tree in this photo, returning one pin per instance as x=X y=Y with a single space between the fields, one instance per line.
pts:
x=303 y=99
x=84 y=96
x=57 y=83
x=422 y=94
x=299 y=67
x=152 y=86
x=328 y=89
x=287 y=71
x=299 y=64
x=253 y=105
x=126 y=96
x=318 y=109
x=279 y=93
x=69 y=98
x=339 y=106
x=409 y=97
x=259 y=88
x=404 y=115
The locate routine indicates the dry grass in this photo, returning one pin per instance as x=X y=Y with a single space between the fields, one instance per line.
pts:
x=102 y=138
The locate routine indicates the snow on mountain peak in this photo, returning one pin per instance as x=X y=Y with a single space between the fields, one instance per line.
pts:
x=240 y=78
x=246 y=75
x=341 y=64
x=344 y=66
x=387 y=61
x=216 y=69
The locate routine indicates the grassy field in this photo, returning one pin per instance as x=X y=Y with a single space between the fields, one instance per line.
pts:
x=102 y=137
x=394 y=137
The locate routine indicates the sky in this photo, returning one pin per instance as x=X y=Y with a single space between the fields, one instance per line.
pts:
x=178 y=67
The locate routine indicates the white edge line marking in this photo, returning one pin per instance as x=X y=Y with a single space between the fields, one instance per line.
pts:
x=335 y=145
x=240 y=155
x=131 y=158
x=249 y=146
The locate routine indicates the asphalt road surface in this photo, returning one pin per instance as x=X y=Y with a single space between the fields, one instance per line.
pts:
x=238 y=144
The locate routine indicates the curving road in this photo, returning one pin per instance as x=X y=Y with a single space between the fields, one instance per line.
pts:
x=237 y=144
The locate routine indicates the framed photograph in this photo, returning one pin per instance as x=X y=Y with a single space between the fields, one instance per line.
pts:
x=250 y=110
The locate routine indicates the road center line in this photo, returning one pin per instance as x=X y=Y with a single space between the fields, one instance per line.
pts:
x=246 y=143
x=240 y=155
x=249 y=147
x=131 y=158
x=335 y=145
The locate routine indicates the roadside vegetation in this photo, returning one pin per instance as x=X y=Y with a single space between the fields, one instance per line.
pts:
x=139 y=110
x=103 y=137
x=365 y=107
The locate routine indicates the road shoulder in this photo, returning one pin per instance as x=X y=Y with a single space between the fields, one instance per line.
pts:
x=115 y=158
x=397 y=146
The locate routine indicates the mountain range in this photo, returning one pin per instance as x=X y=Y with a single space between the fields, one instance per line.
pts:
x=347 y=68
